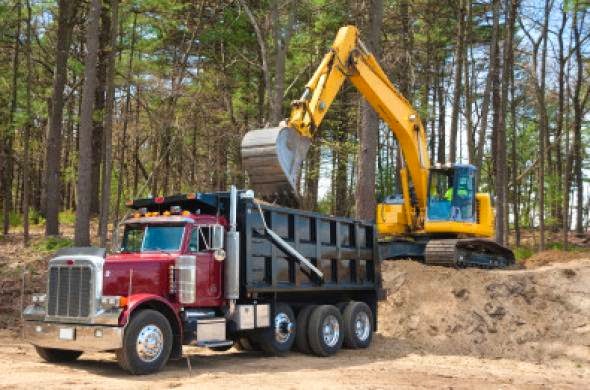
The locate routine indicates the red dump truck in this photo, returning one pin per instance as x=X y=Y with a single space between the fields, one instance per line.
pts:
x=211 y=270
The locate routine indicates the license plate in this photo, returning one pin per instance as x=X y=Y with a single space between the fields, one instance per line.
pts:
x=67 y=333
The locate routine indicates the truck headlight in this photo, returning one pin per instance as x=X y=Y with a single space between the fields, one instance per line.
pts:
x=109 y=302
x=39 y=299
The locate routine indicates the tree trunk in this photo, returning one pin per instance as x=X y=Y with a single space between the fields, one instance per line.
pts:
x=578 y=103
x=52 y=198
x=108 y=126
x=282 y=36
x=27 y=133
x=98 y=137
x=544 y=125
x=457 y=82
x=84 y=187
x=369 y=131
x=498 y=135
x=442 y=150
x=123 y=141
x=263 y=57
x=500 y=156
x=9 y=135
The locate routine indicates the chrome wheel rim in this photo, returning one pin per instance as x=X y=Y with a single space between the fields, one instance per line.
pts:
x=150 y=343
x=283 y=327
x=331 y=330
x=362 y=326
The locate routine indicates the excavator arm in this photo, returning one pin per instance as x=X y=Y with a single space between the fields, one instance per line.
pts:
x=273 y=157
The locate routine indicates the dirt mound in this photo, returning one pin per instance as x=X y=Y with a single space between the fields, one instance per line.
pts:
x=534 y=314
x=553 y=256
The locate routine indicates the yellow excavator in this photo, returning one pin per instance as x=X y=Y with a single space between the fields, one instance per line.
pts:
x=439 y=217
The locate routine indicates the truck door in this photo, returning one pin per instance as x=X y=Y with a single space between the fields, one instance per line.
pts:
x=209 y=287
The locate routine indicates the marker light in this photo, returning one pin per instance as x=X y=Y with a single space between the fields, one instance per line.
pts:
x=136 y=215
x=186 y=213
x=166 y=213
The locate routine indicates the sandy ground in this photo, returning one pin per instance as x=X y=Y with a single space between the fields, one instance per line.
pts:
x=439 y=328
x=388 y=364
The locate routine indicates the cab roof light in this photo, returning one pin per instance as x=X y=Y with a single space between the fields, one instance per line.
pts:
x=191 y=195
x=129 y=202
x=159 y=199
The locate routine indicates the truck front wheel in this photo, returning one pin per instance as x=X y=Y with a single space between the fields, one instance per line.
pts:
x=146 y=344
x=280 y=336
x=53 y=355
x=325 y=330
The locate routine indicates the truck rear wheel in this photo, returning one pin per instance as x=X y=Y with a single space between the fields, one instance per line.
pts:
x=147 y=343
x=280 y=336
x=358 y=325
x=301 y=337
x=53 y=355
x=325 y=330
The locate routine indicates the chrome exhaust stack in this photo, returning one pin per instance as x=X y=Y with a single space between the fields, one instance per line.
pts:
x=272 y=157
x=232 y=261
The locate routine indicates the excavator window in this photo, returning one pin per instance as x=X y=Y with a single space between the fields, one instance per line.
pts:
x=452 y=194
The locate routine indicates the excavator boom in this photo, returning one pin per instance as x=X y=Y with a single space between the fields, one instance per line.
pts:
x=273 y=157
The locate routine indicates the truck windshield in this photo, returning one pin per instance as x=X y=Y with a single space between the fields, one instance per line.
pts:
x=152 y=238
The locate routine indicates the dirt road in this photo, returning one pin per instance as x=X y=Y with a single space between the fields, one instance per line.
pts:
x=388 y=364
x=439 y=328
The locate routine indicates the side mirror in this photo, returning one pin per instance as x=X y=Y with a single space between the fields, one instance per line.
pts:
x=217 y=234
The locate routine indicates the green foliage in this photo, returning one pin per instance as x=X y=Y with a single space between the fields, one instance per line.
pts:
x=53 y=243
x=522 y=253
x=67 y=217
x=14 y=218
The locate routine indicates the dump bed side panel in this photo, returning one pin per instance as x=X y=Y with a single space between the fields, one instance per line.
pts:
x=344 y=250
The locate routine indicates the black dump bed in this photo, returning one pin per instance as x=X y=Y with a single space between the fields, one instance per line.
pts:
x=342 y=251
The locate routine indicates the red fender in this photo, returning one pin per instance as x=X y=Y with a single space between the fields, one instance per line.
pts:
x=136 y=300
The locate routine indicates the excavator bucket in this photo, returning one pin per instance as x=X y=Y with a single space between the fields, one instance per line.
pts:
x=272 y=157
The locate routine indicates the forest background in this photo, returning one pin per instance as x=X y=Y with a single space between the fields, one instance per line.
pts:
x=106 y=100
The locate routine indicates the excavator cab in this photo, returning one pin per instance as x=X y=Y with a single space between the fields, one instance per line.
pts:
x=452 y=194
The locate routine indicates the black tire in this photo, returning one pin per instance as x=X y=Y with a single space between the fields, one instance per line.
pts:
x=301 y=338
x=129 y=358
x=278 y=339
x=361 y=336
x=315 y=329
x=53 y=355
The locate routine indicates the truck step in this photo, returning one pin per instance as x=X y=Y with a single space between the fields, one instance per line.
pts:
x=214 y=344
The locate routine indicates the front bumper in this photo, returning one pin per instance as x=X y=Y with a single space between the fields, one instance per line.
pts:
x=73 y=336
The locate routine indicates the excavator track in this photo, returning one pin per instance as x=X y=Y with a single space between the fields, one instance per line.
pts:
x=468 y=252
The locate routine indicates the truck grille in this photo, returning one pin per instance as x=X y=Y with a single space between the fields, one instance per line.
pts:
x=69 y=291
